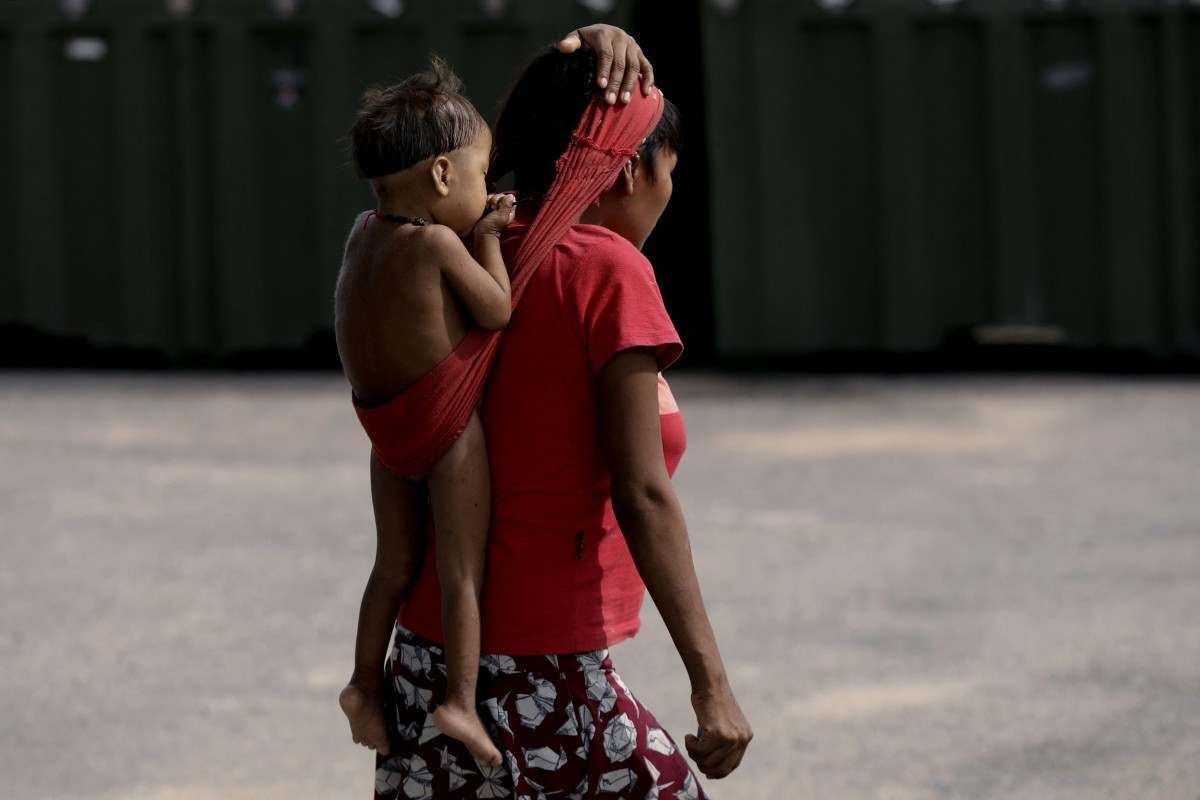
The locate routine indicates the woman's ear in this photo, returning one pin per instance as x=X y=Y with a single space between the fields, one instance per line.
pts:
x=628 y=173
x=439 y=170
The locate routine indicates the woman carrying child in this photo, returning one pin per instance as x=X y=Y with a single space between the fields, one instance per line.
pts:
x=582 y=434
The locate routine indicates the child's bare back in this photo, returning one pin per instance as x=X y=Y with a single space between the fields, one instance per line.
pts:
x=398 y=315
x=418 y=271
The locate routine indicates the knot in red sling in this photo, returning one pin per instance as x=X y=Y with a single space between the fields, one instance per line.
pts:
x=414 y=429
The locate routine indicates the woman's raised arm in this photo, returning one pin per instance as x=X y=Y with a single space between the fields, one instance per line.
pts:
x=652 y=521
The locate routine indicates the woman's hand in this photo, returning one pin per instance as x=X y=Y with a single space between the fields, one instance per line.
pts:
x=621 y=61
x=724 y=733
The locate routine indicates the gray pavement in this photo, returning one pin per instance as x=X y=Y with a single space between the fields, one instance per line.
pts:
x=925 y=588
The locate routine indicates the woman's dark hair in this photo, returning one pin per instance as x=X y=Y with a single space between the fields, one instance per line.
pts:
x=542 y=110
x=423 y=116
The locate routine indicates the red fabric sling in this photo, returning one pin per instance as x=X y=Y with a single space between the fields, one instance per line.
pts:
x=414 y=429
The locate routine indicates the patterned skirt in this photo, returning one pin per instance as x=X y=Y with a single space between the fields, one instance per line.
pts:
x=568 y=727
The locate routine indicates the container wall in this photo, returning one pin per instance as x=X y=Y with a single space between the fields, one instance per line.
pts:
x=951 y=68
x=84 y=137
x=183 y=183
x=1183 y=103
x=883 y=176
x=904 y=172
x=10 y=277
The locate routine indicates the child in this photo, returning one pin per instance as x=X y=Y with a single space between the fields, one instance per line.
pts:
x=406 y=280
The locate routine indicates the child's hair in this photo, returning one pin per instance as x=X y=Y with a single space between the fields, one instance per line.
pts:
x=423 y=116
x=542 y=110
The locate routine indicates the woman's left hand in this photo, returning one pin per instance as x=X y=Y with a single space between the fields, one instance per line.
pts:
x=724 y=732
x=620 y=60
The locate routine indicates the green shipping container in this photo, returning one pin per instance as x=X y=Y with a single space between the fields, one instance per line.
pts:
x=884 y=173
x=888 y=172
x=175 y=172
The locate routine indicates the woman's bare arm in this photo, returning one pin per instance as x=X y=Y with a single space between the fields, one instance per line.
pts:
x=652 y=521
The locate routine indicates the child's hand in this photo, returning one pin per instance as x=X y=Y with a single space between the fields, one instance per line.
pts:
x=501 y=208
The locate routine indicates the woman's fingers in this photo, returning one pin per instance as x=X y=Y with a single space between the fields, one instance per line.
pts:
x=616 y=75
x=602 y=43
x=647 y=72
x=598 y=37
x=727 y=763
x=701 y=748
x=570 y=43
x=711 y=764
x=620 y=62
x=633 y=60
x=717 y=753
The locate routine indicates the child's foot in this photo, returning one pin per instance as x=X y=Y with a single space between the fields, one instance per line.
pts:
x=365 y=713
x=463 y=724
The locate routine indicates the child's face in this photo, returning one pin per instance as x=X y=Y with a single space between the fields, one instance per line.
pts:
x=465 y=199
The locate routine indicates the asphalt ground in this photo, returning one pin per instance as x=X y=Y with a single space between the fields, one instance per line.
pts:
x=924 y=587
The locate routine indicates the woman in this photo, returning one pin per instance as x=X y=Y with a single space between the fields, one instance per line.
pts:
x=582 y=434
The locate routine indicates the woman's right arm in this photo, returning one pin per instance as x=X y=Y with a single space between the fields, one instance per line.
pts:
x=652 y=521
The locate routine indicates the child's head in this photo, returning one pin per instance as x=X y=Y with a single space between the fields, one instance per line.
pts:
x=423 y=141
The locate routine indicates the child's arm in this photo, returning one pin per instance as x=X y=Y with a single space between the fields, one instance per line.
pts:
x=480 y=280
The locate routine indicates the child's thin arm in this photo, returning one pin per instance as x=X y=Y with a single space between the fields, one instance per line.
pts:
x=480 y=280
x=485 y=239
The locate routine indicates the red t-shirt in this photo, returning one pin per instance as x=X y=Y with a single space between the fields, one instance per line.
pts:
x=560 y=577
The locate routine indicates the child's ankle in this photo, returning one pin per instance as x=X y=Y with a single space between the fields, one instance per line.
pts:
x=372 y=686
x=460 y=700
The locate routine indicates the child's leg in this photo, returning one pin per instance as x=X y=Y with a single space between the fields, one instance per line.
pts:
x=460 y=492
x=400 y=530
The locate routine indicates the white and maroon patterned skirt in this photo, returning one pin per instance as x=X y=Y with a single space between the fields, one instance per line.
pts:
x=568 y=727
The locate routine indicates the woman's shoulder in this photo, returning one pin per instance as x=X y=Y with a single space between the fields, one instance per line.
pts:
x=600 y=235
x=596 y=250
